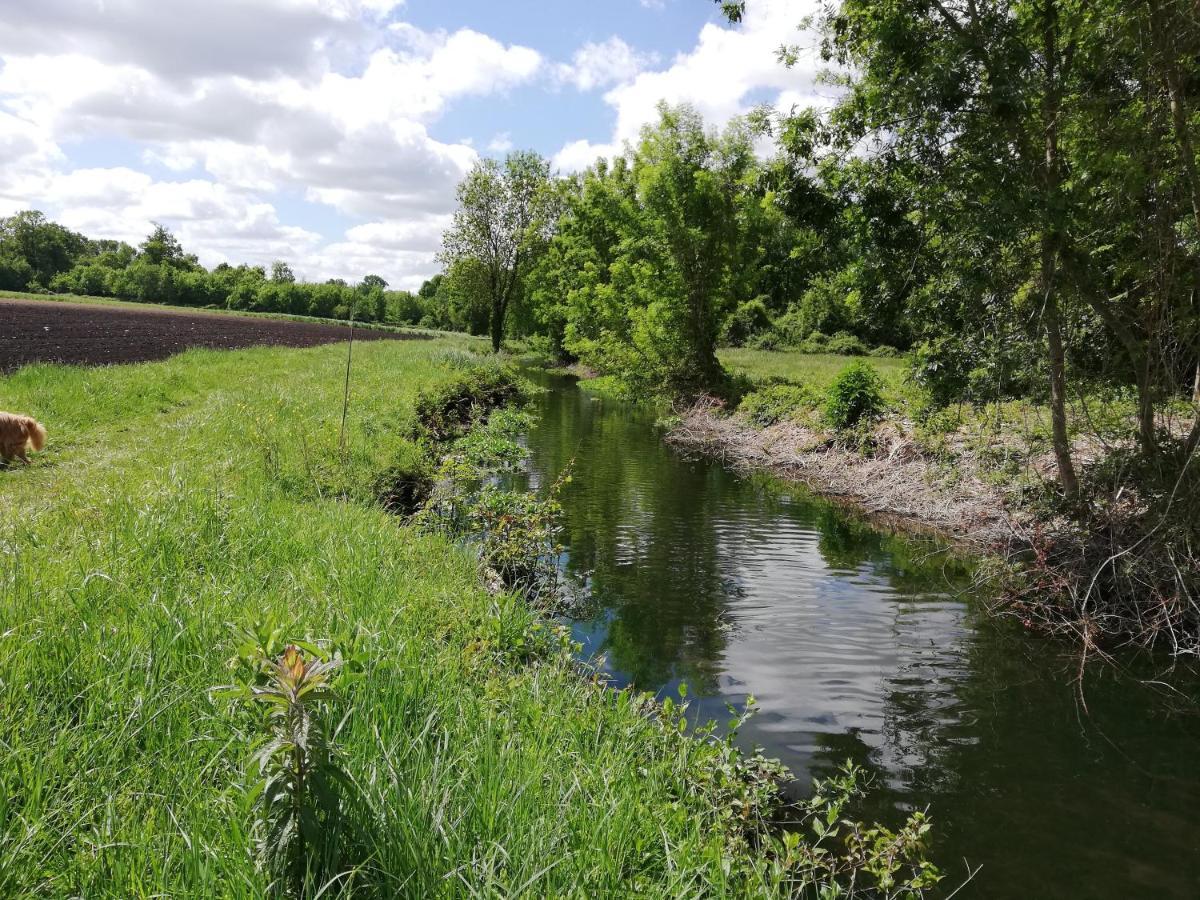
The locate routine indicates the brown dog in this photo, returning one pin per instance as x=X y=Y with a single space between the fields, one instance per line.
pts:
x=17 y=433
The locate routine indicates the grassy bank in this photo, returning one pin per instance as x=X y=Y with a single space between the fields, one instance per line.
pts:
x=180 y=501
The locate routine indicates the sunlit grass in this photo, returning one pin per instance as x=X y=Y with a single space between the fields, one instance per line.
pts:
x=181 y=500
x=815 y=370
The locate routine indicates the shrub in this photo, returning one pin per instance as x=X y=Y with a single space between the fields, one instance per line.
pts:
x=824 y=305
x=789 y=328
x=845 y=344
x=768 y=340
x=855 y=396
x=745 y=322
x=516 y=532
x=886 y=351
x=771 y=405
x=816 y=342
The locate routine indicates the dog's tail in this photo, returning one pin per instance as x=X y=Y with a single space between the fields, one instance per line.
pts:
x=37 y=434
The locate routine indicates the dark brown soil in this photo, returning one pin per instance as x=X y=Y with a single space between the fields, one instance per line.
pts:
x=80 y=334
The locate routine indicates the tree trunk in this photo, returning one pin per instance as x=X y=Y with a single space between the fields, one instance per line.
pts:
x=1058 y=377
x=497 y=323
x=1052 y=314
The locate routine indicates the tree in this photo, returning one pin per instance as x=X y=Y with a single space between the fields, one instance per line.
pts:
x=429 y=287
x=505 y=216
x=282 y=273
x=161 y=247
x=31 y=244
x=464 y=297
x=689 y=184
x=651 y=255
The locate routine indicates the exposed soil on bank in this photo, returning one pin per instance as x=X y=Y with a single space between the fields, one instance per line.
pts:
x=84 y=334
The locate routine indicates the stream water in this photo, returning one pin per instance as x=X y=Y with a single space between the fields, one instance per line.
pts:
x=864 y=645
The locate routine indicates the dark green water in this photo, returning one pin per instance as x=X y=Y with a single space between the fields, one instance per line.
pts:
x=858 y=644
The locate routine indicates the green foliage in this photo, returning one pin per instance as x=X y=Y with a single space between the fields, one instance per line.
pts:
x=302 y=784
x=450 y=409
x=845 y=344
x=777 y=403
x=506 y=213
x=847 y=859
x=855 y=396
x=517 y=534
x=749 y=320
x=640 y=271
x=36 y=249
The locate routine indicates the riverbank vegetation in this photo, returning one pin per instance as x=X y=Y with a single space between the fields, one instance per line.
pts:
x=234 y=672
x=966 y=202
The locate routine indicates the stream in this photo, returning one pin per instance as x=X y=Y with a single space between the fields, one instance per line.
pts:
x=866 y=645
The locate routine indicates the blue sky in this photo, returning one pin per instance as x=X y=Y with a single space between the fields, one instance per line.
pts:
x=331 y=133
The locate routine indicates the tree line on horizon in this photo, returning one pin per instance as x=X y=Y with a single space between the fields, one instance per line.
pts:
x=41 y=256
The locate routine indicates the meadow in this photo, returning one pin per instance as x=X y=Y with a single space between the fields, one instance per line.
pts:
x=183 y=502
x=817 y=370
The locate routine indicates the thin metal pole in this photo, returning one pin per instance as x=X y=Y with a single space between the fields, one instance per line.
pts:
x=346 y=395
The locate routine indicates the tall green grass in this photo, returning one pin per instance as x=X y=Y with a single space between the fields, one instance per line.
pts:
x=180 y=501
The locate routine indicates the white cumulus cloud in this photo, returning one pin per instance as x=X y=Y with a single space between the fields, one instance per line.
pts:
x=322 y=99
x=724 y=75
x=600 y=65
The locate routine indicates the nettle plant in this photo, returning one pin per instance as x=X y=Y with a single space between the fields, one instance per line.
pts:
x=291 y=692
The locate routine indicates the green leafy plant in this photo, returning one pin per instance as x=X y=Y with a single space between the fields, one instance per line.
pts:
x=518 y=537
x=301 y=791
x=449 y=410
x=748 y=320
x=845 y=344
x=844 y=858
x=854 y=397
